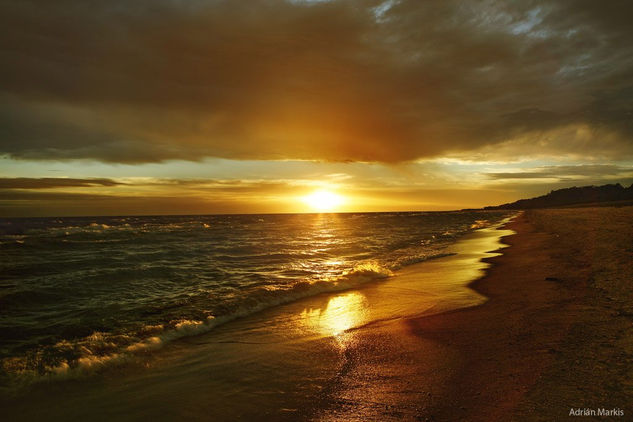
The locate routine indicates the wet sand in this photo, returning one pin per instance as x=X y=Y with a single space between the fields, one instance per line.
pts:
x=553 y=335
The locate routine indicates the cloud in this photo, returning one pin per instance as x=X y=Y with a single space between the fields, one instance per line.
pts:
x=69 y=189
x=8 y=196
x=52 y=182
x=364 y=80
x=162 y=184
x=36 y=204
x=598 y=171
x=60 y=196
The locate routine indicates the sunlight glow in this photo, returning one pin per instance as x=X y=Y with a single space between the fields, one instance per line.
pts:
x=345 y=311
x=323 y=200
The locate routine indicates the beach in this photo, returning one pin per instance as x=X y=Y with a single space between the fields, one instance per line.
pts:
x=523 y=321
x=554 y=336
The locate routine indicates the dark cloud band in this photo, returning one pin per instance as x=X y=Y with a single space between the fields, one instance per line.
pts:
x=52 y=182
x=149 y=81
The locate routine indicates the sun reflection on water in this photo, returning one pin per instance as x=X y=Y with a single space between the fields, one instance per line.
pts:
x=342 y=312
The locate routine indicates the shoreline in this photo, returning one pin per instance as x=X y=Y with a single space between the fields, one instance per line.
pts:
x=510 y=340
x=475 y=363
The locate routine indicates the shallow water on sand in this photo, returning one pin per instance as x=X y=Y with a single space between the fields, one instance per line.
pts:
x=272 y=365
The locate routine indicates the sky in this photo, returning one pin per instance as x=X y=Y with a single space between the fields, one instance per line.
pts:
x=194 y=107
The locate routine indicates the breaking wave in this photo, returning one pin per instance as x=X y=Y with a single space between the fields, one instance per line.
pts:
x=70 y=359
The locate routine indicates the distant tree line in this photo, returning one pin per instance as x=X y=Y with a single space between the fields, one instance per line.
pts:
x=572 y=196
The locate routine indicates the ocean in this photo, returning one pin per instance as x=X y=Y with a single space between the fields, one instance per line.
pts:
x=80 y=293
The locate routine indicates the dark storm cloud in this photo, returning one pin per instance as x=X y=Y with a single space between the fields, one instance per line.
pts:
x=52 y=182
x=146 y=81
x=6 y=196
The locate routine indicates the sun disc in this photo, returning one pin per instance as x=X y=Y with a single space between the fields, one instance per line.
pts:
x=323 y=200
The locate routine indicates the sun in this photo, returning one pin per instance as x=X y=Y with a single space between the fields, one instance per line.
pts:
x=323 y=200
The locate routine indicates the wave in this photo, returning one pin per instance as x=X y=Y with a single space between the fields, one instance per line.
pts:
x=479 y=224
x=78 y=358
x=85 y=356
x=71 y=359
x=415 y=259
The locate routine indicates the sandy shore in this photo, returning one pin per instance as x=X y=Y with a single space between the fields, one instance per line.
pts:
x=555 y=335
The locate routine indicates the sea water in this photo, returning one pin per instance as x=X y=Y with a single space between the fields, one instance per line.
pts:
x=78 y=293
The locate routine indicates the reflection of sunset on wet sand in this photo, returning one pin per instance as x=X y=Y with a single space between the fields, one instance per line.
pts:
x=342 y=312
